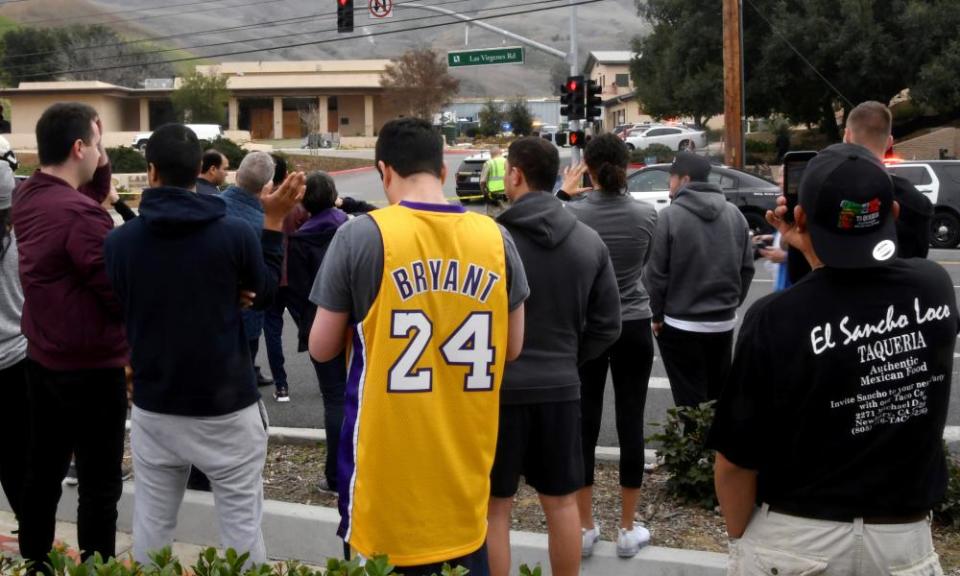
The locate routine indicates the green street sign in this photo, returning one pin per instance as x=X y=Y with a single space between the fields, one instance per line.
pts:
x=511 y=55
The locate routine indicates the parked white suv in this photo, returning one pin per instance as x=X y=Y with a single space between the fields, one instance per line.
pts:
x=673 y=137
x=207 y=132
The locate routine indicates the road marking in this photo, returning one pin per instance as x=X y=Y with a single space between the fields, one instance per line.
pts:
x=951 y=434
x=659 y=383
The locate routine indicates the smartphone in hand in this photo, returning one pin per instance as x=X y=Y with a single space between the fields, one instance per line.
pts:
x=794 y=165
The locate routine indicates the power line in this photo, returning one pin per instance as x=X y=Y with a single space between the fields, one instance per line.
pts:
x=325 y=30
x=328 y=40
x=127 y=11
x=265 y=24
x=797 y=52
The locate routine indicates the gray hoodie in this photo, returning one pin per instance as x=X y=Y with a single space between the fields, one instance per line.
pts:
x=573 y=312
x=701 y=263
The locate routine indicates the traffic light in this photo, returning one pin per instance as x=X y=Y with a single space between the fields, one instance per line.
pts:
x=560 y=138
x=344 y=16
x=577 y=139
x=594 y=101
x=571 y=98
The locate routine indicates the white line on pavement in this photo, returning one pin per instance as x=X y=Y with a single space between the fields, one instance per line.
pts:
x=659 y=383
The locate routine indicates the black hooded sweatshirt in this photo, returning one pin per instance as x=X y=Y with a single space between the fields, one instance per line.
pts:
x=573 y=313
x=178 y=270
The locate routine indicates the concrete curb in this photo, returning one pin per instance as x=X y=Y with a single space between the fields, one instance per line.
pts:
x=309 y=436
x=308 y=534
x=351 y=171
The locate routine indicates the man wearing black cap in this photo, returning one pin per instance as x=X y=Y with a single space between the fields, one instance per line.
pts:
x=829 y=430
x=699 y=272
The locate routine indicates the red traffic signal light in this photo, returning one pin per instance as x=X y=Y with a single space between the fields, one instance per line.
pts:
x=571 y=98
x=344 y=16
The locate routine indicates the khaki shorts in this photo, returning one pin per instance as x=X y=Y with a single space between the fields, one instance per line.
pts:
x=781 y=545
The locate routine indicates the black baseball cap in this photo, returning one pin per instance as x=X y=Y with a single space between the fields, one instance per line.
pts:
x=847 y=196
x=689 y=164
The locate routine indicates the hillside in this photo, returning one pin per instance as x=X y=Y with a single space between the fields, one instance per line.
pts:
x=606 y=25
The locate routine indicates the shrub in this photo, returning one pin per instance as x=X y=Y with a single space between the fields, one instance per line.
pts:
x=228 y=147
x=125 y=160
x=685 y=455
x=948 y=511
x=211 y=563
x=662 y=154
x=760 y=146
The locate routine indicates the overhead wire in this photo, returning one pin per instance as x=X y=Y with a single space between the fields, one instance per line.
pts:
x=562 y=4
x=786 y=41
x=263 y=24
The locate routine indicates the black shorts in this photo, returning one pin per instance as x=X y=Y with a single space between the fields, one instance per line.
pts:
x=540 y=442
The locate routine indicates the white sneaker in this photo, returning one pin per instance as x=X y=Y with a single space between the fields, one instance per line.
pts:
x=629 y=542
x=589 y=538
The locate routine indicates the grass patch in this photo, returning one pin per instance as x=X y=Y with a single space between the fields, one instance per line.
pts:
x=6 y=24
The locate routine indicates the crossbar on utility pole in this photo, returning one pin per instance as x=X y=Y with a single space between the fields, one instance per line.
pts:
x=733 y=84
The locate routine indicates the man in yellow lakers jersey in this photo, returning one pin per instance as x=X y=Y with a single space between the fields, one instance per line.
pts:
x=431 y=297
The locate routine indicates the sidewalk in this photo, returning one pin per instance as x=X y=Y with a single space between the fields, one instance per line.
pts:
x=67 y=534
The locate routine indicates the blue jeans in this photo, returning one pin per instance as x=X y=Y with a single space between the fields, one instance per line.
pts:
x=273 y=335
x=332 y=377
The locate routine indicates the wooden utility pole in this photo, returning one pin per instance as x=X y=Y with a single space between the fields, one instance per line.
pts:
x=733 y=84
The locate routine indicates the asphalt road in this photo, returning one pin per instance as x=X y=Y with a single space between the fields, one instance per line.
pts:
x=306 y=408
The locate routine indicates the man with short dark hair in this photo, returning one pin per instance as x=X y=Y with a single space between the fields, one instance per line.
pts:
x=829 y=431
x=179 y=269
x=213 y=172
x=572 y=315
x=869 y=125
x=434 y=295
x=699 y=273
x=74 y=330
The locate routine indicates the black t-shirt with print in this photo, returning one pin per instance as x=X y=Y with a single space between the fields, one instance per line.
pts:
x=839 y=391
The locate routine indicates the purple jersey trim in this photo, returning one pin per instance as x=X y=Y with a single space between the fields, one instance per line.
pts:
x=448 y=208
x=346 y=459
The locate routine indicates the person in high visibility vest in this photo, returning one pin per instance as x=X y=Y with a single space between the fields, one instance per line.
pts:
x=491 y=177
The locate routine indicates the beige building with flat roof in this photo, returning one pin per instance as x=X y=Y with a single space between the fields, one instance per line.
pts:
x=611 y=70
x=268 y=100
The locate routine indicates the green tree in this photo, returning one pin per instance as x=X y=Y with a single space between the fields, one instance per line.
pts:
x=201 y=99
x=491 y=117
x=419 y=84
x=938 y=84
x=520 y=117
x=680 y=70
x=867 y=50
x=29 y=54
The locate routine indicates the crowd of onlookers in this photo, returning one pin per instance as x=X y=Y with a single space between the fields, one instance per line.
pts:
x=456 y=354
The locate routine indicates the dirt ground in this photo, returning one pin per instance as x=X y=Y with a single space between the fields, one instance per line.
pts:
x=293 y=472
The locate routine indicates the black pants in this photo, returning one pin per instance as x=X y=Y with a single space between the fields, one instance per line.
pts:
x=697 y=363
x=477 y=563
x=332 y=378
x=80 y=412
x=13 y=426
x=630 y=360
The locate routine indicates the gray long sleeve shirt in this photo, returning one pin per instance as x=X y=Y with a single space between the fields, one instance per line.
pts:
x=626 y=226
x=13 y=346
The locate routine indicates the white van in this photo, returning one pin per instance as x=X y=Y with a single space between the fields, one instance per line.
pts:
x=209 y=132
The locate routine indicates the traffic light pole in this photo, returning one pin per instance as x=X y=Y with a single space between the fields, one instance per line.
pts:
x=574 y=66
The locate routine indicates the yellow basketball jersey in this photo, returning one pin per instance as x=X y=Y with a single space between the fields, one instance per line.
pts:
x=420 y=429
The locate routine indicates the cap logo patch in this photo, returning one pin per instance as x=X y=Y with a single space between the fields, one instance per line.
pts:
x=884 y=251
x=857 y=216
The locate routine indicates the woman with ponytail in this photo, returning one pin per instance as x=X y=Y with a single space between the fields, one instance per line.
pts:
x=626 y=226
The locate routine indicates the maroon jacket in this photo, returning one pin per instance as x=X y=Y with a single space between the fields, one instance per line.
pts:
x=71 y=318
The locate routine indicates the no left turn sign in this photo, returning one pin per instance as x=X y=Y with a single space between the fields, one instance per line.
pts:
x=380 y=8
